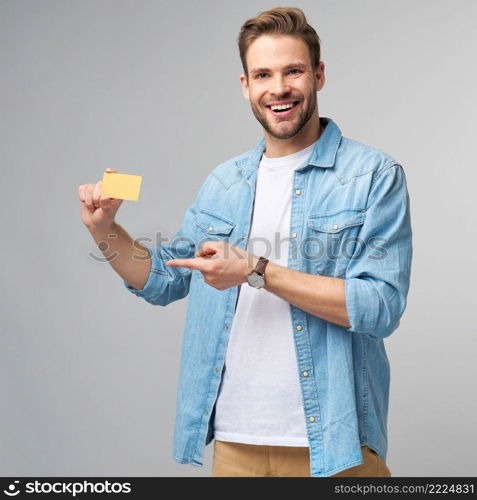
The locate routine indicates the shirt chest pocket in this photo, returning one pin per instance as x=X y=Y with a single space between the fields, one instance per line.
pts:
x=212 y=226
x=331 y=240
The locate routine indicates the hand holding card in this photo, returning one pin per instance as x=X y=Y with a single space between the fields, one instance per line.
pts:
x=99 y=202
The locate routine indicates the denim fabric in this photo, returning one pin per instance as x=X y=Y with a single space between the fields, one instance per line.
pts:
x=350 y=211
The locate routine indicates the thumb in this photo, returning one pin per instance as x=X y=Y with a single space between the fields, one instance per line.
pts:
x=207 y=249
x=109 y=204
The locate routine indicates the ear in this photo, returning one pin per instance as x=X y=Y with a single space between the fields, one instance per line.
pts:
x=320 y=76
x=245 y=89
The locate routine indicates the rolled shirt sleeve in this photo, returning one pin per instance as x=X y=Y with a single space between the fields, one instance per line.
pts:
x=167 y=284
x=378 y=275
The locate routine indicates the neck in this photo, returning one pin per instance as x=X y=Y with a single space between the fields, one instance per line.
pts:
x=309 y=134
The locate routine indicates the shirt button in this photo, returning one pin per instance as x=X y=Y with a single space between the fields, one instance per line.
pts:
x=305 y=374
x=210 y=229
x=311 y=419
x=299 y=328
x=298 y=192
x=293 y=235
x=216 y=370
x=207 y=412
x=335 y=226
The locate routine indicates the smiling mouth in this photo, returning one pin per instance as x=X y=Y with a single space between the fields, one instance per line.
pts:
x=282 y=110
x=283 y=113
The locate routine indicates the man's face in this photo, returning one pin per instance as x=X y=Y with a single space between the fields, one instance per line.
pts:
x=280 y=72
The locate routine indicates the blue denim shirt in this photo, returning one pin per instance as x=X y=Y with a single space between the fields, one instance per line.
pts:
x=350 y=211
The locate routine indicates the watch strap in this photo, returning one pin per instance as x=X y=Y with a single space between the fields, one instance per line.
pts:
x=261 y=265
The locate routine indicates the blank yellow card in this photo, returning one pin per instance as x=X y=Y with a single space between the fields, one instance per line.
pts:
x=121 y=186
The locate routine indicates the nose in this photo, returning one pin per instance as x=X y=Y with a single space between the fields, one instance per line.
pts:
x=279 y=86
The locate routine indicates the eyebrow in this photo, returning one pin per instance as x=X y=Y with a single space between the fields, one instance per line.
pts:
x=288 y=66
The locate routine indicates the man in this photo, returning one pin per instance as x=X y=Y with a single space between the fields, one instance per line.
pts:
x=283 y=361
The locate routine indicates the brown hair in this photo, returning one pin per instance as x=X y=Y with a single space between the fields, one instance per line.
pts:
x=280 y=20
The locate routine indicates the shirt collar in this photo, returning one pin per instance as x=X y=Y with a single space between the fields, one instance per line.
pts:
x=323 y=154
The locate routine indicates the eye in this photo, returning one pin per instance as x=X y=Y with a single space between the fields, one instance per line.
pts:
x=259 y=75
x=295 y=69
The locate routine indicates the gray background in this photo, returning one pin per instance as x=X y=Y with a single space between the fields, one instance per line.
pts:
x=88 y=371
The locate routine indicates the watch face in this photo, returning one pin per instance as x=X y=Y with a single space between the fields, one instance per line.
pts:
x=256 y=280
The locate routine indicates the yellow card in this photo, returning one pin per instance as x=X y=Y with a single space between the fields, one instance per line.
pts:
x=122 y=186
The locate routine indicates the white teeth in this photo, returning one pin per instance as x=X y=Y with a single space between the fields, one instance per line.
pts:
x=282 y=106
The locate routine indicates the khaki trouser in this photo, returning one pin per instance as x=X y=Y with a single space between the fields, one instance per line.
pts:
x=251 y=460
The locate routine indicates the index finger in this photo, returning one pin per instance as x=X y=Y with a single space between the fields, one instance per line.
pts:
x=189 y=263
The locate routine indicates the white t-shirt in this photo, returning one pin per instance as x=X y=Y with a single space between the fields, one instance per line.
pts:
x=260 y=400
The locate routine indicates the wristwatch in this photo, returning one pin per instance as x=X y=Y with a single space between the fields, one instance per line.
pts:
x=256 y=278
